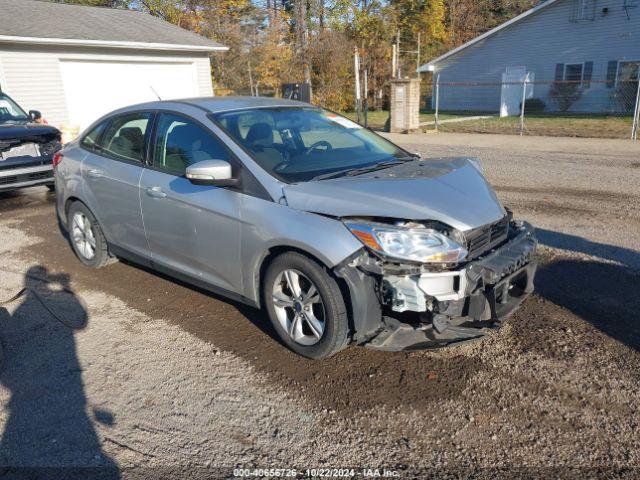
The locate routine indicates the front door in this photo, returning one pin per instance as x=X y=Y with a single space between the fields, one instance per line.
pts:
x=191 y=229
x=511 y=95
x=112 y=171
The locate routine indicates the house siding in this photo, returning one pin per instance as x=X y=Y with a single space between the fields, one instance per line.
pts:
x=540 y=42
x=31 y=74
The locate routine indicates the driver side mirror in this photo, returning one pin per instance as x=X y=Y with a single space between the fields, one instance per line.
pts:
x=35 y=115
x=216 y=173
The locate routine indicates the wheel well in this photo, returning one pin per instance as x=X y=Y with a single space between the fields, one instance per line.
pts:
x=68 y=203
x=275 y=252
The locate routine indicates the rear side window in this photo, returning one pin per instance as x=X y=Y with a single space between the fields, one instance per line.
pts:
x=124 y=136
x=181 y=142
x=90 y=140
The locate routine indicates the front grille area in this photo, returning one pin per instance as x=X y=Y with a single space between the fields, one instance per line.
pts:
x=484 y=238
x=41 y=175
x=8 y=180
x=26 y=177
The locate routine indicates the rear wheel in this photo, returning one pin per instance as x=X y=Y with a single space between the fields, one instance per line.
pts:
x=86 y=237
x=305 y=306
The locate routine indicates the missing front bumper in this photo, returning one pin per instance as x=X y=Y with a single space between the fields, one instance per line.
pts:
x=485 y=292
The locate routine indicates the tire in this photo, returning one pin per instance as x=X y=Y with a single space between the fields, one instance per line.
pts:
x=326 y=309
x=100 y=256
x=51 y=187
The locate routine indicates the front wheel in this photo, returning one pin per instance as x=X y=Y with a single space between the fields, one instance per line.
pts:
x=306 y=306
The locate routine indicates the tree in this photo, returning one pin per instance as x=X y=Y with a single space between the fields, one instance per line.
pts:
x=469 y=18
x=565 y=94
x=279 y=41
x=423 y=20
x=96 y=3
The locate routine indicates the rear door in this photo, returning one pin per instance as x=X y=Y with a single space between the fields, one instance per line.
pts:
x=111 y=173
x=191 y=229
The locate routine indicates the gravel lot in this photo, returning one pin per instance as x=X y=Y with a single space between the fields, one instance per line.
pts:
x=157 y=379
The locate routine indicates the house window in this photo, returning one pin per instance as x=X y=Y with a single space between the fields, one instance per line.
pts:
x=573 y=72
x=583 y=10
x=628 y=71
x=626 y=85
x=580 y=73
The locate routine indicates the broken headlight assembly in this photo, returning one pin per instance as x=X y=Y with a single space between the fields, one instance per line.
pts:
x=411 y=242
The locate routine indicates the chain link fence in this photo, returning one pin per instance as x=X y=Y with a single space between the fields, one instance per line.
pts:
x=578 y=108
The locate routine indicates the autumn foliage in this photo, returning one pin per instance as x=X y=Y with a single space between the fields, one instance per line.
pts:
x=281 y=41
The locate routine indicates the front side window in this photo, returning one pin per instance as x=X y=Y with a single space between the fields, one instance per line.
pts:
x=124 y=136
x=181 y=142
x=10 y=111
x=298 y=144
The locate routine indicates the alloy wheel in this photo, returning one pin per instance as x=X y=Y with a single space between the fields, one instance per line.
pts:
x=299 y=307
x=83 y=236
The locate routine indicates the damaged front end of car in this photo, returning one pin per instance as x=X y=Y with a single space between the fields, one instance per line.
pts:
x=423 y=285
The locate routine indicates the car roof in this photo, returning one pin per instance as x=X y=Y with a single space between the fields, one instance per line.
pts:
x=219 y=104
x=222 y=104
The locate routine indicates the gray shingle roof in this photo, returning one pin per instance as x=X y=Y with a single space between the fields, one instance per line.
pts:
x=46 y=20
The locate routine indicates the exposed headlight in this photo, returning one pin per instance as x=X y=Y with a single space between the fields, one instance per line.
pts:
x=414 y=244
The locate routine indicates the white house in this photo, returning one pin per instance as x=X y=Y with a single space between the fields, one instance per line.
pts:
x=594 y=44
x=75 y=63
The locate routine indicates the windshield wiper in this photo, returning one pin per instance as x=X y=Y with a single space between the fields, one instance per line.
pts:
x=352 y=172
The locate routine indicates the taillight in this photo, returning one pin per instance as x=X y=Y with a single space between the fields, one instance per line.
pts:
x=57 y=158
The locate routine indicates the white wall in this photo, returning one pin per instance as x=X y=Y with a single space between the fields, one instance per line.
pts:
x=32 y=76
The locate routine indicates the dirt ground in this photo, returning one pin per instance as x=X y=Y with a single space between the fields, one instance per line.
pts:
x=156 y=379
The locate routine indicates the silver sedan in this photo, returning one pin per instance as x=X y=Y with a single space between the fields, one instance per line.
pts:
x=342 y=236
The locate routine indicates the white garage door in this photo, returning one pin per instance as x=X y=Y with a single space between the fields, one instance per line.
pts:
x=93 y=88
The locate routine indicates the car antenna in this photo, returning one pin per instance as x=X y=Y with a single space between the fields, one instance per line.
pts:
x=156 y=93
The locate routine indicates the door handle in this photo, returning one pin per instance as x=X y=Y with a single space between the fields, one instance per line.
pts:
x=95 y=173
x=156 y=192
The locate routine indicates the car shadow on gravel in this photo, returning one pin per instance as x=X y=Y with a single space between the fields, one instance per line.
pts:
x=614 y=253
x=604 y=294
x=48 y=433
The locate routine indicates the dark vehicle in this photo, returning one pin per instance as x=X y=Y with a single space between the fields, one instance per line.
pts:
x=26 y=147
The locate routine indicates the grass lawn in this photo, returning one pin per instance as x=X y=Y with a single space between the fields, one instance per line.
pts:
x=598 y=126
x=377 y=119
x=558 y=125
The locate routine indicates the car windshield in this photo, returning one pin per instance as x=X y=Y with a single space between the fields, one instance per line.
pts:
x=10 y=111
x=298 y=144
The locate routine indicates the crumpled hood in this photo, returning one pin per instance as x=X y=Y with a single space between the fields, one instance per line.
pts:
x=449 y=190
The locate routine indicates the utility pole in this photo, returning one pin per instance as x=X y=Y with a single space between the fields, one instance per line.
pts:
x=418 y=54
x=250 y=77
x=394 y=60
x=365 y=98
x=302 y=30
x=356 y=65
x=398 y=71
